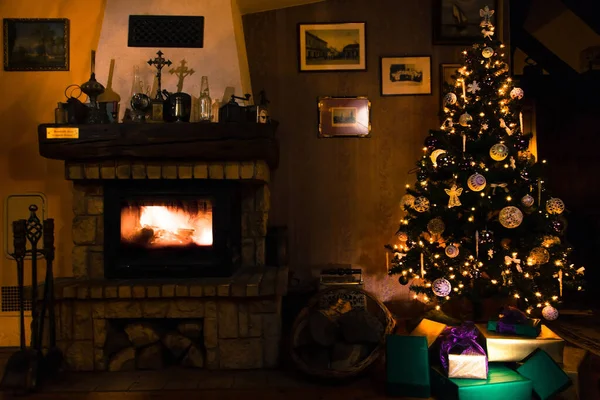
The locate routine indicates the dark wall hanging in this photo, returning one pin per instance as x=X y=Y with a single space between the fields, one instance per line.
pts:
x=166 y=31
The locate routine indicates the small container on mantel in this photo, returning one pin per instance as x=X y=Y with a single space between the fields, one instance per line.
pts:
x=60 y=114
x=205 y=100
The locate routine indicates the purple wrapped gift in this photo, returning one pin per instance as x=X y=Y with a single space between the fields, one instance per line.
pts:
x=461 y=355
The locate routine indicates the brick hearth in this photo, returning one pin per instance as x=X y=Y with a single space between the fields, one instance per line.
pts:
x=241 y=314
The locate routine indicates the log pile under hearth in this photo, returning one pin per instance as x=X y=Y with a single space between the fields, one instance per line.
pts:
x=154 y=345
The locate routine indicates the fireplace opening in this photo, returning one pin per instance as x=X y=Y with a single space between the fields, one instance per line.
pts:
x=171 y=229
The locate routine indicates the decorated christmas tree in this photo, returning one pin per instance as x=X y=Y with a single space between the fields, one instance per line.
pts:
x=479 y=221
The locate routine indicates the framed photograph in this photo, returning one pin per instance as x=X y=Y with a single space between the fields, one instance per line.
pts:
x=36 y=44
x=401 y=76
x=344 y=117
x=332 y=47
x=447 y=71
x=457 y=21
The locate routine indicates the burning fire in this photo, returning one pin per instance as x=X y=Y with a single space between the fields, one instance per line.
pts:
x=162 y=226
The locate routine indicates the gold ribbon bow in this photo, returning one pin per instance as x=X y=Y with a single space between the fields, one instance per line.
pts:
x=500 y=185
x=513 y=260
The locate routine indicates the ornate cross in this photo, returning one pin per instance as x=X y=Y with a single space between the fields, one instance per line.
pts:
x=181 y=72
x=159 y=62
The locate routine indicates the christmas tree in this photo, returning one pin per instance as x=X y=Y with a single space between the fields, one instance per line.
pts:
x=479 y=221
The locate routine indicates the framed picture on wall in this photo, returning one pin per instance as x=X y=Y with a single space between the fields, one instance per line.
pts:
x=36 y=44
x=457 y=21
x=344 y=117
x=332 y=47
x=447 y=82
x=401 y=76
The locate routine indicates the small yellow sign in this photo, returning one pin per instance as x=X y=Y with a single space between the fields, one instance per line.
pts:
x=62 y=133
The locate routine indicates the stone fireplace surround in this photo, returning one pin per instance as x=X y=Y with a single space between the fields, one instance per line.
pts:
x=241 y=314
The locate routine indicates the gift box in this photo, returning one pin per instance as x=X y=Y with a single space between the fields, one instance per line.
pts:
x=430 y=329
x=461 y=355
x=502 y=383
x=546 y=375
x=407 y=366
x=513 y=348
x=514 y=321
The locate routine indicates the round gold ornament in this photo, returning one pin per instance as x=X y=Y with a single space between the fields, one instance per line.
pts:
x=539 y=256
x=436 y=226
x=510 y=217
x=450 y=99
x=517 y=93
x=555 y=206
x=476 y=182
x=451 y=251
x=465 y=119
x=527 y=200
x=487 y=52
x=499 y=152
x=441 y=287
x=550 y=313
x=407 y=200
x=550 y=241
x=421 y=204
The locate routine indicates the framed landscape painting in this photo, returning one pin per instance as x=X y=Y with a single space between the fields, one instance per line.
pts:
x=332 y=47
x=401 y=76
x=36 y=44
x=344 y=117
x=457 y=21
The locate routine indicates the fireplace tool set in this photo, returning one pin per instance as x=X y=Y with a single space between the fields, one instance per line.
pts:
x=32 y=364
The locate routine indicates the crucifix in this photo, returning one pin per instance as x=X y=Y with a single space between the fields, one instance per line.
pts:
x=159 y=62
x=181 y=72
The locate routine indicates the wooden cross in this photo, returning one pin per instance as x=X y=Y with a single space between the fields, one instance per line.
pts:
x=181 y=72
x=159 y=62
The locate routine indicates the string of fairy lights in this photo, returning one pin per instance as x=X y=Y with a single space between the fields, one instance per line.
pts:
x=445 y=243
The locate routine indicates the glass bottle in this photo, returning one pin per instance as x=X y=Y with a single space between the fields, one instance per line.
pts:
x=60 y=114
x=205 y=100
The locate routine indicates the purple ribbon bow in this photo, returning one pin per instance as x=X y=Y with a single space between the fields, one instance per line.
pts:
x=459 y=340
x=511 y=317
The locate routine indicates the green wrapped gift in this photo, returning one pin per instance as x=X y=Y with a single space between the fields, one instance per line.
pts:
x=407 y=366
x=502 y=383
x=530 y=329
x=547 y=376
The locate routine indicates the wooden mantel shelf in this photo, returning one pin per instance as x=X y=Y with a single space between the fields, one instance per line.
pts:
x=202 y=141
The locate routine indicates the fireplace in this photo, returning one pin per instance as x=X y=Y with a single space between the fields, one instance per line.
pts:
x=171 y=228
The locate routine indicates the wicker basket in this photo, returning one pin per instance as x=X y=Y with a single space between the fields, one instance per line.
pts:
x=373 y=306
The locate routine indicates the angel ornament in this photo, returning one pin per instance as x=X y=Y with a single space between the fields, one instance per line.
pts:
x=454 y=192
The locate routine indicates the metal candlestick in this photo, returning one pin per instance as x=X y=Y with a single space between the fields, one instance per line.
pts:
x=93 y=89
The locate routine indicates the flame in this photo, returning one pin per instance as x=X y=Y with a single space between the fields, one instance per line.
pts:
x=161 y=226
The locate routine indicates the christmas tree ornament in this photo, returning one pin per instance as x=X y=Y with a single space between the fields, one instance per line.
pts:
x=454 y=192
x=487 y=33
x=402 y=236
x=499 y=152
x=510 y=217
x=550 y=313
x=557 y=226
x=465 y=119
x=431 y=142
x=436 y=226
x=451 y=251
x=434 y=156
x=527 y=200
x=513 y=162
x=505 y=244
x=441 y=287
x=555 y=206
x=407 y=201
x=421 y=204
x=476 y=182
x=403 y=280
x=550 y=241
x=473 y=87
x=539 y=256
x=486 y=16
x=422 y=175
x=487 y=52
x=450 y=99
x=517 y=93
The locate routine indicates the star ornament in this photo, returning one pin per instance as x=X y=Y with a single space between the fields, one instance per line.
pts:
x=486 y=15
x=454 y=192
x=473 y=87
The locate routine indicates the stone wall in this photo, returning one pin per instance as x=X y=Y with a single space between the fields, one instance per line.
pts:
x=88 y=204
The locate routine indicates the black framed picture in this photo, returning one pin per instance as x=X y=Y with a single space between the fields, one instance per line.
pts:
x=332 y=47
x=457 y=21
x=344 y=117
x=404 y=76
x=36 y=44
